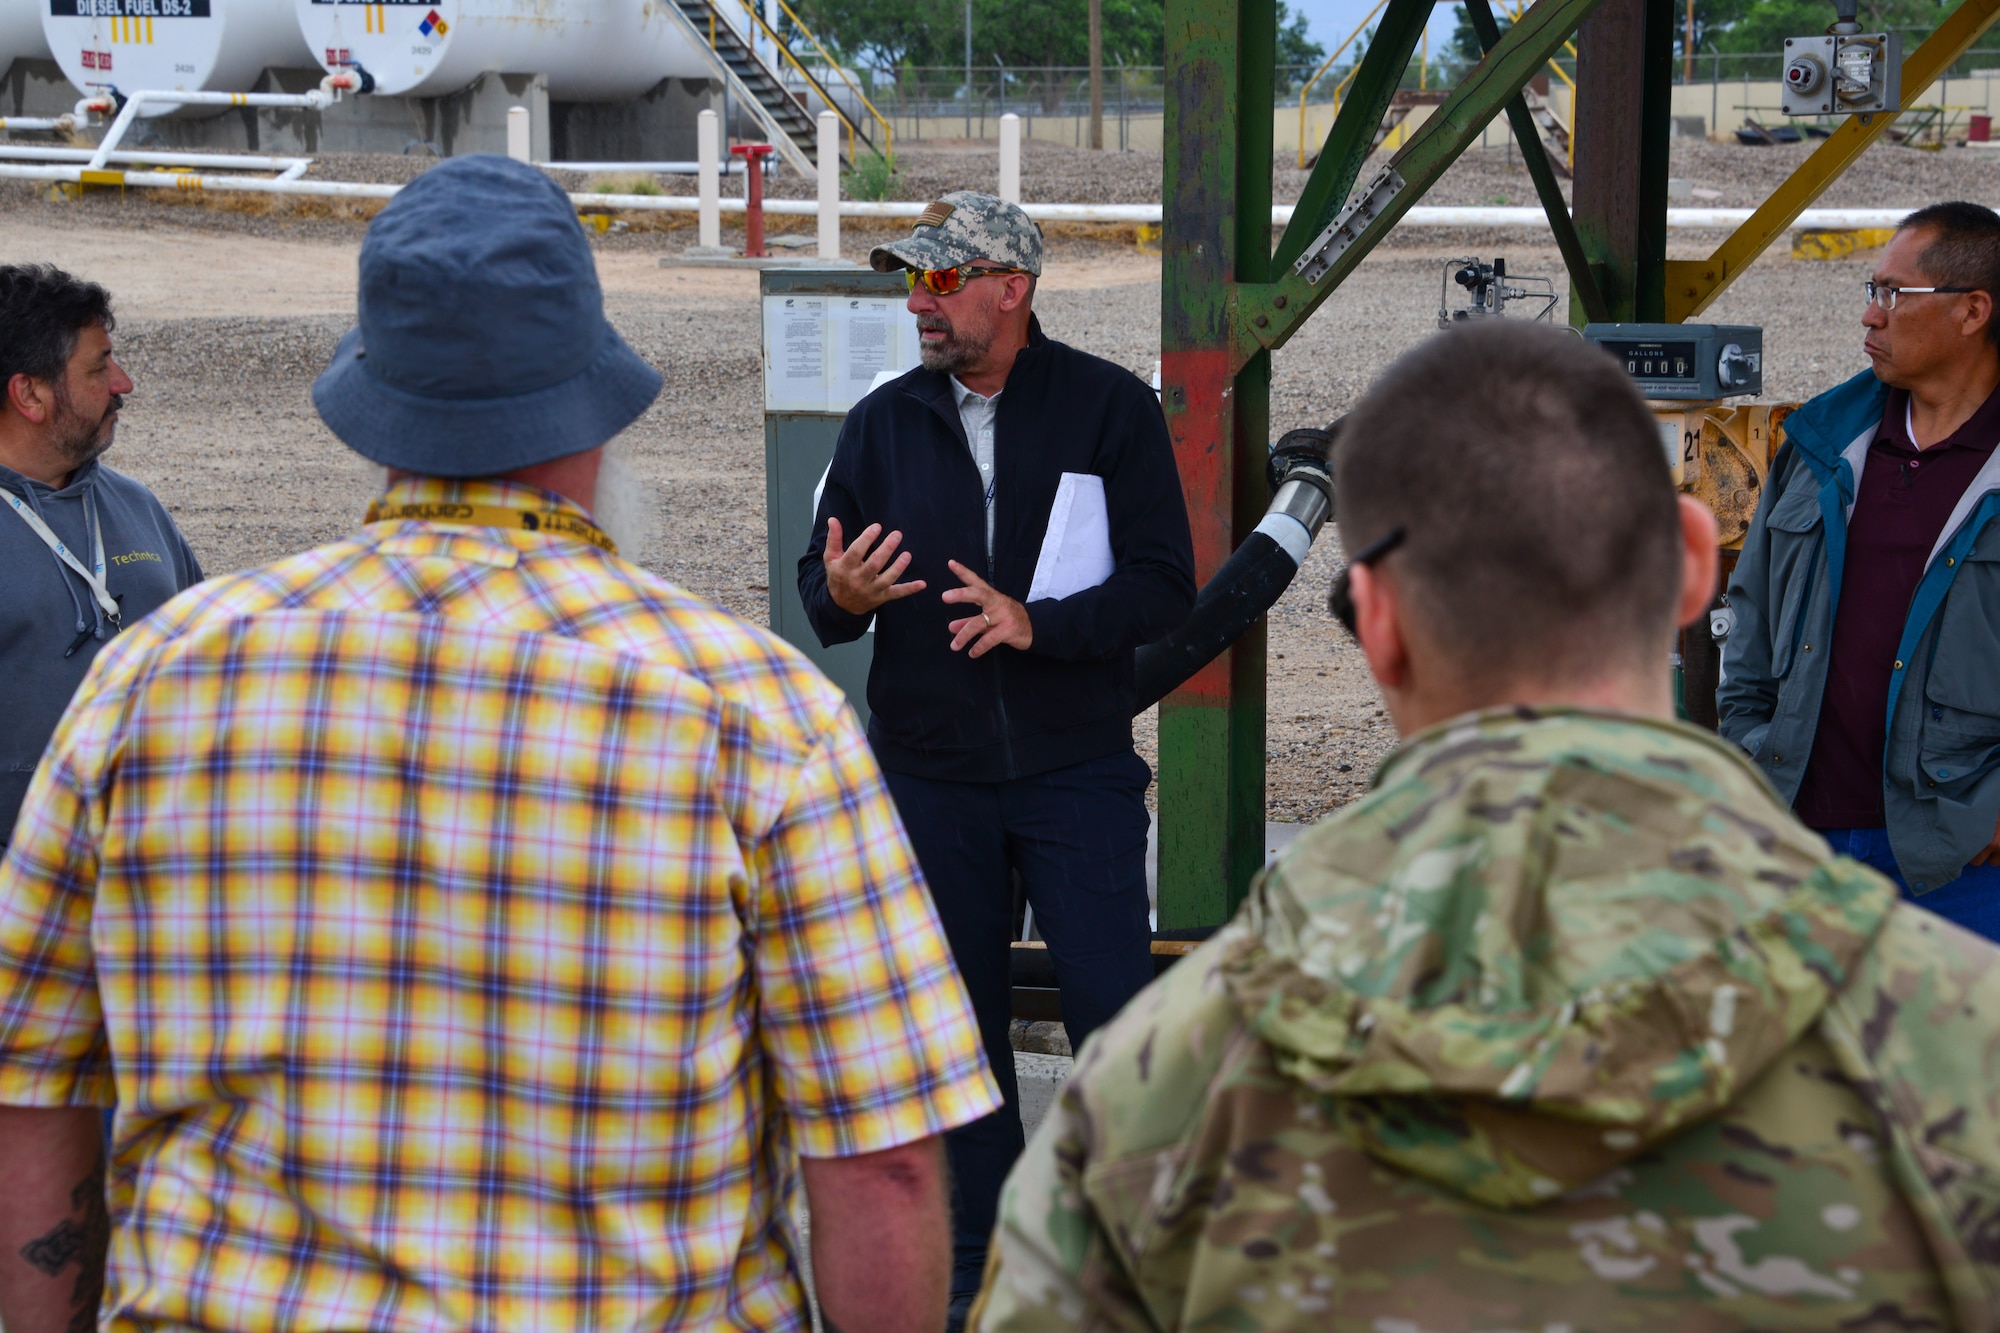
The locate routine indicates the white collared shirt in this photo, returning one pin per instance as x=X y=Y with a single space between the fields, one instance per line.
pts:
x=977 y=414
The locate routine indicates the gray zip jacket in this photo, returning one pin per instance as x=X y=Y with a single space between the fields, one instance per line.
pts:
x=1941 y=770
x=50 y=625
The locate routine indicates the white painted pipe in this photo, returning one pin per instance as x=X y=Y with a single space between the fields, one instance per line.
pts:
x=708 y=140
x=730 y=168
x=1010 y=158
x=518 y=131
x=240 y=161
x=325 y=95
x=37 y=122
x=829 y=185
x=1684 y=218
x=177 y=180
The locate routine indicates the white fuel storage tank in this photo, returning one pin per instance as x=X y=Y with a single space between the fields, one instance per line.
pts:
x=179 y=45
x=21 y=33
x=591 y=50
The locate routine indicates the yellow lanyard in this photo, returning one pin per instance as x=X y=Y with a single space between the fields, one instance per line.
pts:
x=494 y=516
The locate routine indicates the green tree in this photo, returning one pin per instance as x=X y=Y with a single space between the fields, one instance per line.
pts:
x=873 y=32
x=1298 y=54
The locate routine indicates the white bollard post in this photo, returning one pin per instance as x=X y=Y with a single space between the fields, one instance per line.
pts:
x=829 y=185
x=1010 y=158
x=708 y=151
x=517 y=133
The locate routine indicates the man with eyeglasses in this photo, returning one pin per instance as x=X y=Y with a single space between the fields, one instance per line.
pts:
x=1864 y=671
x=1008 y=520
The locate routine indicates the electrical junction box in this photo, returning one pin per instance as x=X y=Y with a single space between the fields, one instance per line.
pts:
x=829 y=335
x=1843 y=74
x=1686 y=362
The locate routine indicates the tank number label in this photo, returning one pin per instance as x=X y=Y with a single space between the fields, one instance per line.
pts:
x=118 y=9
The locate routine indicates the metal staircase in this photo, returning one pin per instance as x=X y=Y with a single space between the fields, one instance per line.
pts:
x=779 y=109
x=1555 y=134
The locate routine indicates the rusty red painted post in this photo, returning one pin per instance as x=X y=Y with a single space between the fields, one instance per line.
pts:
x=753 y=155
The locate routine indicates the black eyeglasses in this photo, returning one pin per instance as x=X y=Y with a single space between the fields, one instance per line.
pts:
x=1885 y=294
x=1340 y=600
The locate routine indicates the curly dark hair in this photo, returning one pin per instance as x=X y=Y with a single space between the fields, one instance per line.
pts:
x=42 y=312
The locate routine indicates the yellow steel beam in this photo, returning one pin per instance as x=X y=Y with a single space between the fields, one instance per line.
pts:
x=1693 y=283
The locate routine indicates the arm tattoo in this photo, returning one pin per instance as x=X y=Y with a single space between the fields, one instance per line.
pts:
x=83 y=1244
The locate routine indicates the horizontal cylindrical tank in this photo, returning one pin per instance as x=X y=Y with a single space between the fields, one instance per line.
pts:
x=591 y=50
x=21 y=34
x=178 y=45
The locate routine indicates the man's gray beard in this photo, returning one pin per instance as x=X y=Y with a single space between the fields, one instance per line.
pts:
x=77 y=440
x=627 y=506
x=953 y=355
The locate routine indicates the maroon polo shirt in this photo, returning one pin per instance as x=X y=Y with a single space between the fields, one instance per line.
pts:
x=1905 y=497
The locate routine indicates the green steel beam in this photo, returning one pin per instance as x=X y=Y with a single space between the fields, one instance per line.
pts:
x=1221 y=55
x=1352 y=137
x=1535 y=156
x=1269 y=313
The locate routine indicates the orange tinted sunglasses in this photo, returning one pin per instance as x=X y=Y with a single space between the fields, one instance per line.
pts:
x=945 y=281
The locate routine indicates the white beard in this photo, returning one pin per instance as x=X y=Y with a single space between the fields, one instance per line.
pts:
x=627 y=506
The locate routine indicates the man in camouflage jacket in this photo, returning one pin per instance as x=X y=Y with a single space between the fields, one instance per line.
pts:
x=1566 y=1025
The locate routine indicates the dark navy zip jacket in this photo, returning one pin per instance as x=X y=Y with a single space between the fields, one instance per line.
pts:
x=902 y=461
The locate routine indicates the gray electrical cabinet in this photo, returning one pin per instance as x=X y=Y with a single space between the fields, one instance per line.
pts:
x=829 y=336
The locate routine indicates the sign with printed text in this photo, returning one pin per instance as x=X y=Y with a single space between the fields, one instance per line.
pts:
x=822 y=353
x=129 y=9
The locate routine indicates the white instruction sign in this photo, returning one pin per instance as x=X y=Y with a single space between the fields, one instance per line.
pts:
x=824 y=353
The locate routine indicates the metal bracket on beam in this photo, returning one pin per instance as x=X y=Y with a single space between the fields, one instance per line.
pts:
x=1367 y=203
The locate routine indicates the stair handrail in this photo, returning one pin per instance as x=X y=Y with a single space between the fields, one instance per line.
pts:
x=888 y=130
x=1514 y=12
x=1326 y=65
x=774 y=129
x=785 y=47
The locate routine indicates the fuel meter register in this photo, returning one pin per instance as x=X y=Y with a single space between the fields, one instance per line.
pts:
x=1686 y=362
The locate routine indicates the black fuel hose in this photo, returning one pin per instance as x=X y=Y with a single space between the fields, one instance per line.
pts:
x=1256 y=574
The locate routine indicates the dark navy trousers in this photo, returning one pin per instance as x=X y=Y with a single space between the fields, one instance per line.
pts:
x=1077 y=836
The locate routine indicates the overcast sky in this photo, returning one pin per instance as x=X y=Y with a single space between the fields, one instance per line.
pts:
x=1332 y=20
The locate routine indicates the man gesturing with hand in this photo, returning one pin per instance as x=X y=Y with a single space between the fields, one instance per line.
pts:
x=861 y=577
x=1001 y=692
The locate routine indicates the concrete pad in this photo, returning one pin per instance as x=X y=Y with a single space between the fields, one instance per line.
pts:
x=1041 y=1077
x=738 y=261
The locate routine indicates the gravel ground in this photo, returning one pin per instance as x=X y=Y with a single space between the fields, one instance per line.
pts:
x=229 y=312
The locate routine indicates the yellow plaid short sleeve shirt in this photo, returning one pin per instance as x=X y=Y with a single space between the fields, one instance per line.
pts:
x=469 y=927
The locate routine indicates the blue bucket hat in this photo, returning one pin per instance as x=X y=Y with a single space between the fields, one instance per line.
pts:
x=482 y=345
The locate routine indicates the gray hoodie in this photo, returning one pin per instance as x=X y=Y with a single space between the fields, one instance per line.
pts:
x=45 y=608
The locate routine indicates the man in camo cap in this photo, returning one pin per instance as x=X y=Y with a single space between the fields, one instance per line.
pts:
x=1568 y=1023
x=1008 y=518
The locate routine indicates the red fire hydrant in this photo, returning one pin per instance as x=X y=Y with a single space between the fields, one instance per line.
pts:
x=753 y=155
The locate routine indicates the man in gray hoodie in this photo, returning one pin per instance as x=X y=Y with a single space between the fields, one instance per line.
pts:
x=84 y=550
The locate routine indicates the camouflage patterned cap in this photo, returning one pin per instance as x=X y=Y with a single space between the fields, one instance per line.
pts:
x=962 y=227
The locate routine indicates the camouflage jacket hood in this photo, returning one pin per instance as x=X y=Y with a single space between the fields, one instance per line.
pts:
x=1489 y=995
x=1567 y=1024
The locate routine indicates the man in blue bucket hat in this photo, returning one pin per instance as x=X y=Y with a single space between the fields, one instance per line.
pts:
x=470 y=927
